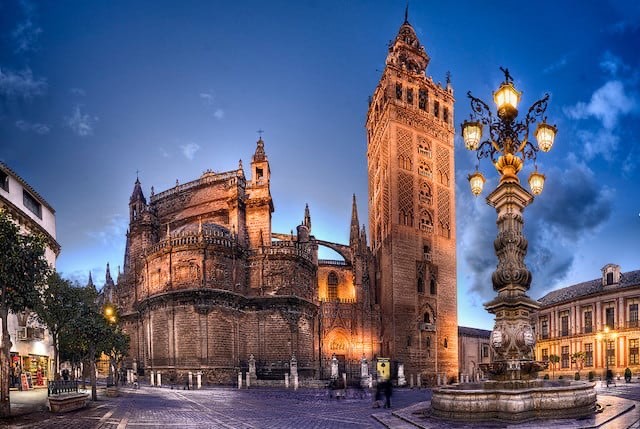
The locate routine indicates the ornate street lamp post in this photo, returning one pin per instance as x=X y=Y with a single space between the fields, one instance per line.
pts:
x=604 y=335
x=508 y=146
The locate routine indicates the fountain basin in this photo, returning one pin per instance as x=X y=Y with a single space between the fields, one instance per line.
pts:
x=514 y=401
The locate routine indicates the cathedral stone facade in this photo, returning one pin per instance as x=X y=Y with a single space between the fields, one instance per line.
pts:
x=208 y=287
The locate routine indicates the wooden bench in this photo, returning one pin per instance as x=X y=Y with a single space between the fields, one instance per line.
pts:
x=61 y=403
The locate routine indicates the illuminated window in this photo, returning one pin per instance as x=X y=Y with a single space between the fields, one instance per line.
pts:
x=633 y=316
x=564 y=358
x=610 y=317
x=545 y=355
x=332 y=283
x=611 y=352
x=588 y=322
x=633 y=351
x=588 y=354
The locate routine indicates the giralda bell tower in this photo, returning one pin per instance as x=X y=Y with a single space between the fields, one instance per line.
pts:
x=412 y=212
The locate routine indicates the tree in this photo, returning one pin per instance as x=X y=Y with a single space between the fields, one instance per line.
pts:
x=116 y=347
x=23 y=272
x=554 y=359
x=578 y=358
x=60 y=300
x=87 y=335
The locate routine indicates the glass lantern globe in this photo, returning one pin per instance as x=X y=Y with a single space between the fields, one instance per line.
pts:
x=476 y=181
x=472 y=133
x=536 y=182
x=507 y=98
x=545 y=135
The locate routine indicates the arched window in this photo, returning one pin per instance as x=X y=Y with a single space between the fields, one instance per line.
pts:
x=332 y=286
x=420 y=285
x=427 y=317
x=432 y=285
x=425 y=170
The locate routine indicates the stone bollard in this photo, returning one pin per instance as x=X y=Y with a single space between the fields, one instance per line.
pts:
x=334 y=367
x=401 y=378
x=295 y=382
x=248 y=380
x=286 y=381
x=199 y=379
x=240 y=380
x=419 y=380
x=344 y=381
x=190 y=380
x=411 y=381
x=152 y=380
x=159 y=379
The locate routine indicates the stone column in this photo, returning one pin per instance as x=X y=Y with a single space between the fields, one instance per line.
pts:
x=411 y=381
x=512 y=336
x=401 y=378
x=199 y=379
x=159 y=379
x=152 y=380
x=240 y=380
x=419 y=380
x=293 y=366
x=252 y=368
x=286 y=381
x=190 y=380
x=364 y=372
x=334 y=367
x=248 y=380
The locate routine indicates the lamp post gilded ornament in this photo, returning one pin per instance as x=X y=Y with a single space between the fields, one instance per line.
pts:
x=508 y=146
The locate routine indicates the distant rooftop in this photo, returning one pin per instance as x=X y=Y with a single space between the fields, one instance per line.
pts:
x=4 y=167
x=591 y=287
x=473 y=332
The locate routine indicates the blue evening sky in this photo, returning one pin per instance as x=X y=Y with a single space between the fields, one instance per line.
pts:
x=91 y=91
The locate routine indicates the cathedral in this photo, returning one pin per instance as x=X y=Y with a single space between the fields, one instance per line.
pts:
x=208 y=287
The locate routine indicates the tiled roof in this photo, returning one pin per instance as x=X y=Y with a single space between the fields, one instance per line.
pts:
x=25 y=185
x=591 y=287
x=473 y=332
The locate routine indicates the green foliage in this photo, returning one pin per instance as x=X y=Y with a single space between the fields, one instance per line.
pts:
x=23 y=268
x=23 y=272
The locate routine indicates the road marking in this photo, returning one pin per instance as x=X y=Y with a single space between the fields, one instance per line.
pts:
x=124 y=421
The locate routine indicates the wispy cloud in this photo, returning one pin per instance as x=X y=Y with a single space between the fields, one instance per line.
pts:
x=33 y=127
x=78 y=92
x=164 y=152
x=561 y=63
x=112 y=234
x=607 y=104
x=189 y=150
x=611 y=63
x=81 y=123
x=27 y=31
x=21 y=84
x=208 y=99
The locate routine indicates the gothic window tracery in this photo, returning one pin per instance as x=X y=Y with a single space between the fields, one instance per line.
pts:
x=426 y=221
x=442 y=160
x=443 y=213
x=425 y=170
x=425 y=193
x=405 y=198
x=424 y=147
x=332 y=286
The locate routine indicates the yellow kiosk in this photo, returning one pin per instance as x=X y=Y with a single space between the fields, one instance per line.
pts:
x=383 y=368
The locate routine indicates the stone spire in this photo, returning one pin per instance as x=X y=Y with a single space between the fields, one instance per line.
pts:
x=406 y=51
x=90 y=282
x=259 y=154
x=108 y=280
x=137 y=194
x=137 y=202
x=307 y=218
x=354 y=236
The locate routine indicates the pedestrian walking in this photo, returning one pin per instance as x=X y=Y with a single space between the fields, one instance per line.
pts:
x=388 y=391
x=378 y=397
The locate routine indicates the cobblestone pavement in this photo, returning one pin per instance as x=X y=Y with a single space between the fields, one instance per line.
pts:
x=222 y=408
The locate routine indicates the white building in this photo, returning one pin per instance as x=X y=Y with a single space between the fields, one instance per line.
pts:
x=32 y=349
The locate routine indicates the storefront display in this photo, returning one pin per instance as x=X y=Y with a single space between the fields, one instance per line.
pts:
x=37 y=367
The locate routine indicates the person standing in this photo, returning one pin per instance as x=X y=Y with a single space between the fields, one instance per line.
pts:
x=388 y=391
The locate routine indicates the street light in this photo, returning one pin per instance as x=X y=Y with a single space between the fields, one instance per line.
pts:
x=109 y=313
x=506 y=142
x=604 y=335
